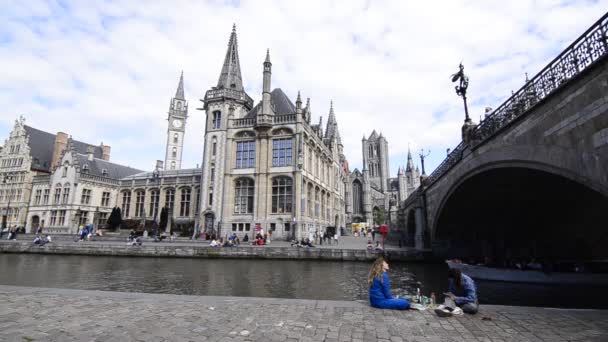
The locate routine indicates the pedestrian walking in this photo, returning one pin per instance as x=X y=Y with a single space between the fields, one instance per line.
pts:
x=336 y=238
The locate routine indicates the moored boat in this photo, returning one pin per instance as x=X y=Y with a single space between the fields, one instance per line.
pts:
x=528 y=276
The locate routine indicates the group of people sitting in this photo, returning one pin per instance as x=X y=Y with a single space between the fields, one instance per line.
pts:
x=377 y=247
x=42 y=241
x=88 y=232
x=230 y=241
x=302 y=243
x=462 y=293
x=12 y=232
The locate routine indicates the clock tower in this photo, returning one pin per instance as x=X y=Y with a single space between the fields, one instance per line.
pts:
x=178 y=113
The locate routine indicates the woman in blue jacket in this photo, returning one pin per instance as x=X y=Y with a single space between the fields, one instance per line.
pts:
x=379 y=288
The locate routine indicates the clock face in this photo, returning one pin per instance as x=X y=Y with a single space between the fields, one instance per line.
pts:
x=177 y=123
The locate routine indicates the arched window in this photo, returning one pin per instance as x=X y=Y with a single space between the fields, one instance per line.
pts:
x=173 y=165
x=282 y=195
x=217 y=119
x=64 y=172
x=154 y=200
x=175 y=138
x=309 y=199
x=317 y=202
x=357 y=197
x=174 y=152
x=179 y=105
x=169 y=198
x=323 y=205
x=184 y=205
x=243 y=196
x=57 y=196
x=66 y=193
x=140 y=195
x=126 y=203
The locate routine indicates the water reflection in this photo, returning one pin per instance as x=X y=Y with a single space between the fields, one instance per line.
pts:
x=265 y=278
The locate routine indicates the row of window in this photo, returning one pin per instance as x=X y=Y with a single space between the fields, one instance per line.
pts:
x=14 y=149
x=317 y=202
x=247 y=227
x=282 y=153
x=57 y=217
x=11 y=177
x=12 y=162
x=282 y=195
x=153 y=209
x=10 y=195
x=314 y=164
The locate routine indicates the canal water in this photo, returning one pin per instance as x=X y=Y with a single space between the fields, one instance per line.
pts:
x=268 y=278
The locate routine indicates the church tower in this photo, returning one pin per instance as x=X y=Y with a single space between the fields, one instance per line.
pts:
x=222 y=104
x=375 y=160
x=178 y=113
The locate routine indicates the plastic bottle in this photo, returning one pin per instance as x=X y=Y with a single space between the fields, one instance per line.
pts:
x=432 y=298
x=418 y=299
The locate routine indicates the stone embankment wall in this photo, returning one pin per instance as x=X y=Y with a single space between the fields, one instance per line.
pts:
x=193 y=251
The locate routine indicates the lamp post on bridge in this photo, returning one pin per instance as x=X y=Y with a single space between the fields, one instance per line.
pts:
x=423 y=155
x=461 y=89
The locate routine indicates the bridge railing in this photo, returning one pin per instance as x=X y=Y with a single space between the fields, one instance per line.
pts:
x=589 y=48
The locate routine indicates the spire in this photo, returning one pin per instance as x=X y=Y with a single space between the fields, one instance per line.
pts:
x=299 y=101
x=400 y=171
x=230 y=77
x=179 y=94
x=410 y=162
x=267 y=56
x=332 y=125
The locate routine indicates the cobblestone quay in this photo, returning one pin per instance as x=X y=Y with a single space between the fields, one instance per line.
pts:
x=43 y=314
x=349 y=249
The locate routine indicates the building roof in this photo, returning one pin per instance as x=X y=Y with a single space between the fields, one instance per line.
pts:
x=281 y=104
x=166 y=173
x=42 y=144
x=230 y=77
x=96 y=167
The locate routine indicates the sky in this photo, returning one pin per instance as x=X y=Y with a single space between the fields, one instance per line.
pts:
x=105 y=71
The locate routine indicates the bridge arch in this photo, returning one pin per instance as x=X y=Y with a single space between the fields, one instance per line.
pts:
x=521 y=209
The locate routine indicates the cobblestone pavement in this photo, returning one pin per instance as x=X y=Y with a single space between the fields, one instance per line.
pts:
x=41 y=314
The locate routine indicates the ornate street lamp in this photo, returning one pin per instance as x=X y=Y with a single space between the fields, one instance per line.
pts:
x=461 y=89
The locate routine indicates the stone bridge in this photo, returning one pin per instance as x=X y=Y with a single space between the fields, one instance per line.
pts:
x=530 y=180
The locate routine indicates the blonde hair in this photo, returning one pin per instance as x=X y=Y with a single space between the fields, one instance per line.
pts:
x=375 y=271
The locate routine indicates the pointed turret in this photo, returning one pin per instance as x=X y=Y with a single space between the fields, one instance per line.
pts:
x=179 y=94
x=410 y=162
x=299 y=103
x=230 y=77
x=400 y=171
x=266 y=109
x=332 y=125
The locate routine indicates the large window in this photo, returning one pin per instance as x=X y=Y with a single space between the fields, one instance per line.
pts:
x=282 y=195
x=61 y=220
x=169 y=199
x=281 y=152
x=57 y=196
x=139 y=203
x=243 y=196
x=38 y=196
x=184 y=205
x=105 y=199
x=66 y=194
x=154 y=200
x=86 y=196
x=45 y=197
x=357 y=197
x=126 y=203
x=53 y=220
x=217 y=119
x=309 y=200
x=245 y=154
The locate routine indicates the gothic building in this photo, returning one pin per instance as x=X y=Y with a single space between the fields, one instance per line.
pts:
x=28 y=154
x=265 y=165
x=372 y=195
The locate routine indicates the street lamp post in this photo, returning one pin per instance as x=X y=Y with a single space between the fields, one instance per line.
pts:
x=423 y=155
x=461 y=89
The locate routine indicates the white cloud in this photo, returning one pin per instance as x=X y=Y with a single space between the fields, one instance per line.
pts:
x=105 y=71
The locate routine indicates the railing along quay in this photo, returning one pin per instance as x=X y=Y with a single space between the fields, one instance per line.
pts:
x=584 y=52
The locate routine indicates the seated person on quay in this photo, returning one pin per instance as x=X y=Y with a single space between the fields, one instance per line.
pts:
x=380 y=292
x=462 y=291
